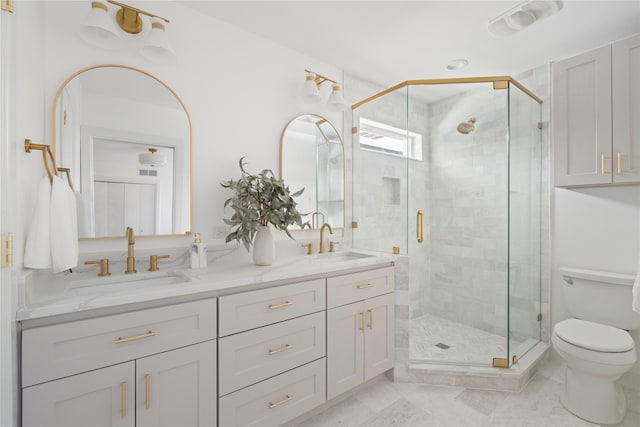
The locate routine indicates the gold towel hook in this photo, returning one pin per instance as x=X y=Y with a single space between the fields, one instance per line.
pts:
x=46 y=149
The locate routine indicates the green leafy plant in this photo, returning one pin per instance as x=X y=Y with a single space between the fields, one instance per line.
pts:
x=259 y=200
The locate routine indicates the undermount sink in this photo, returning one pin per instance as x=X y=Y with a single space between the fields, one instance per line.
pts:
x=342 y=256
x=136 y=281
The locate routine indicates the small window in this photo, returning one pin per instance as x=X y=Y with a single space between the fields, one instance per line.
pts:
x=385 y=139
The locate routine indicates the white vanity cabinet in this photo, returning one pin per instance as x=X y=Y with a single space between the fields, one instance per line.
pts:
x=360 y=328
x=145 y=368
x=272 y=365
x=596 y=103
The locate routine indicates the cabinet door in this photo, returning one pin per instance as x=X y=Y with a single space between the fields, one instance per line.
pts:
x=379 y=335
x=100 y=398
x=582 y=119
x=178 y=387
x=345 y=347
x=626 y=110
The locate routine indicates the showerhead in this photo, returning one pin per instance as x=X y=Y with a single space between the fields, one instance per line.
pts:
x=467 y=127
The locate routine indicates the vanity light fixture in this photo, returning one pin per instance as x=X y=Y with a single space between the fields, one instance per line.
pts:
x=152 y=158
x=99 y=30
x=311 y=91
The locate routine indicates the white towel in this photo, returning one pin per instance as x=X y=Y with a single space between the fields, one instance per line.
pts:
x=64 y=226
x=52 y=240
x=635 y=303
x=37 y=250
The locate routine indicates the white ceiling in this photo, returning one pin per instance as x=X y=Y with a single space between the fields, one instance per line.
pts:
x=387 y=42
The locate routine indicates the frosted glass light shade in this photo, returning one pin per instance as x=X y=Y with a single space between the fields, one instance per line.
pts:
x=336 y=102
x=152 y=158
x=156 y=48
x=310 y=93
x=98 y=30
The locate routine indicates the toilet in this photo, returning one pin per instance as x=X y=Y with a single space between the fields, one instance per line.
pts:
x=595 y=344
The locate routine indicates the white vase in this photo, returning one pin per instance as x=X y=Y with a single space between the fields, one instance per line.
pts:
x=264 y=251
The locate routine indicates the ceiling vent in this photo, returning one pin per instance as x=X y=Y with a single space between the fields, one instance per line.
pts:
x=522 y=16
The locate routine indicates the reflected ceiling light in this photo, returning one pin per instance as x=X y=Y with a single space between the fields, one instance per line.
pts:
x=522 y=16
x=311 y=91
x=99 y=30
x=152 y=158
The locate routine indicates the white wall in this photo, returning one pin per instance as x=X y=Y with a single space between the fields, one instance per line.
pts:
x=240 y=91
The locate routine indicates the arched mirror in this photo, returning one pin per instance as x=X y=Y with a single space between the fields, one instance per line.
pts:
x=125 y=138
x=312 y=156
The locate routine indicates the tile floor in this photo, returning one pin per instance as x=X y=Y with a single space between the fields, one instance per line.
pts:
x=462 y=343
x=384 y=404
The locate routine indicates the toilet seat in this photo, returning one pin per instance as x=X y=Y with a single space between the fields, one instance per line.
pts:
x=594 y=336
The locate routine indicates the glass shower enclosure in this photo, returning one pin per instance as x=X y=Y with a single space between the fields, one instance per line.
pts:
x=448 y=172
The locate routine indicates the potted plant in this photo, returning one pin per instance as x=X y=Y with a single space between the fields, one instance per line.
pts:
x=260 y=200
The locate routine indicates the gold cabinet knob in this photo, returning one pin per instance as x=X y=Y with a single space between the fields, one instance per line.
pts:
x=153 y=261
x=104 y=266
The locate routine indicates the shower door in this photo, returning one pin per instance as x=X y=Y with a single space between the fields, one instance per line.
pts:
x=435 y=178
x=458 y=221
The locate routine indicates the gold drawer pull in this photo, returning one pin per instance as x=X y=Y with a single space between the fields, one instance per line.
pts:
x=368 y=285
x=619 y=163
x=281 y=349
x=121 y=340
x=123 y=400
x=282 y=402
x=147 y=386
x=277 y=306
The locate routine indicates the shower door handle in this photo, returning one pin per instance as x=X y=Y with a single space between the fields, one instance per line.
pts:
x=420 y=227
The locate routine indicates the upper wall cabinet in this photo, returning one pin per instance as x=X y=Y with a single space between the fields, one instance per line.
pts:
x=596 y=116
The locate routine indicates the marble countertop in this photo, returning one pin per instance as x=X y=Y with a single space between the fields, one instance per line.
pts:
x=82 y=292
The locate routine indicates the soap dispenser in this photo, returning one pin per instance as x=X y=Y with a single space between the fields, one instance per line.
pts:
x=198 y=253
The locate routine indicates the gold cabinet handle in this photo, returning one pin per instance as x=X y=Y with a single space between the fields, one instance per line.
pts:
x=282 y=402
x=281 y=349
x=368 y=285
x=370 y=318
x=603 y=163
x=420 y=227
x=361 y=314
x=121 y=340
x=123 y=400
x=619 y=163
x=147 y=396
x=277 y=306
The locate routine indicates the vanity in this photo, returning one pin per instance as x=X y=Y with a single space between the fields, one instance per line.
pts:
x=230 y=345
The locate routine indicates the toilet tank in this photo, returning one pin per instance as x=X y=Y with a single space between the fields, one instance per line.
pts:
x=600 y=296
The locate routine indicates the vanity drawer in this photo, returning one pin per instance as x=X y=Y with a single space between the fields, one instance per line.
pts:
x=276 y=400
x=248 y=310
x=349 y=288
x=64 y=349
x=261 y=353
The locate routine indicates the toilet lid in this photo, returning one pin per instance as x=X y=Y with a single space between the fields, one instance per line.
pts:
x=594 y=336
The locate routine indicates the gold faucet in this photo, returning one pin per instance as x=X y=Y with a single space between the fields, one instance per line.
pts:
x=131 y=261
x=325 y=225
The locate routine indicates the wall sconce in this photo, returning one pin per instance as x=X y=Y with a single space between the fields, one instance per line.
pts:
x=311 y=91
x=99 y=30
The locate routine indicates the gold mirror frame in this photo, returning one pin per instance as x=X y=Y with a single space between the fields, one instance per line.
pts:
x=186 y=111
x=343 y=185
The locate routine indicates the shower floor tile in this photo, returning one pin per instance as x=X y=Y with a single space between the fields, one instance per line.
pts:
x=439 y=340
